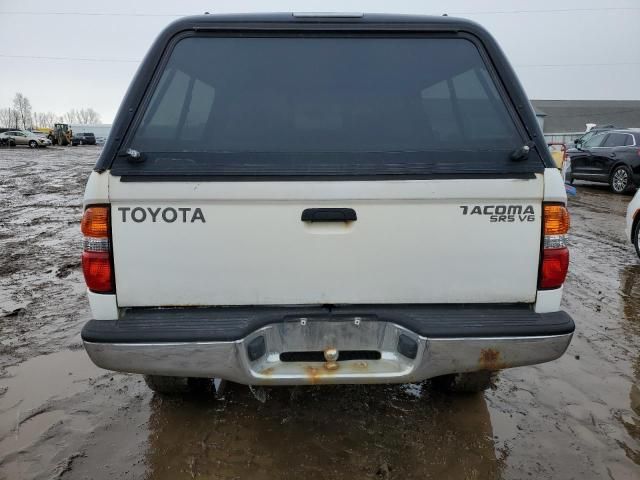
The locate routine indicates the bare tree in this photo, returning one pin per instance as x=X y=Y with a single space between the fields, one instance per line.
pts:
x=23 y=106
x=21 y=116
x=38 y=120
x=44 y=120
x=70 y=116
x=51 y=118
x=5 y=117
x=15 y=119
x=9 y=118
x=86 y=116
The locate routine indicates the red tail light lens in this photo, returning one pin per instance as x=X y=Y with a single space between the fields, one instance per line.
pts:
x=96 y=267
x=555 y=254
x=96 y=255
x=553 y=270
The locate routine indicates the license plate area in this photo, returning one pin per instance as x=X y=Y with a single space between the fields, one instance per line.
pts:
x=299 y=351
x=318 y=334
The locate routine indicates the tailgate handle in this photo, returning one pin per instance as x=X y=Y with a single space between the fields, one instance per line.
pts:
x=329 y=215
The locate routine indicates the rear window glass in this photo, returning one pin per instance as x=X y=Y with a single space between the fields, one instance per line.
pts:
x=314 y=106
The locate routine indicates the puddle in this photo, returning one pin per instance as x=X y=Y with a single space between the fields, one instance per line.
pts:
x=322 y=432
x=31 y=386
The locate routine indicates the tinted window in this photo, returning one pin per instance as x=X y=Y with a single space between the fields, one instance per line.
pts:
x=615 y=140
x=595 y=141
x=397 y=103
x=629 y=140
x=586 y=137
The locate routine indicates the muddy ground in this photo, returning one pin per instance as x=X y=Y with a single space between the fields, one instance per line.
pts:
x=61 y=417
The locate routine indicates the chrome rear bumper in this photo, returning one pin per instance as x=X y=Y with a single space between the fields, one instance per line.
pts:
x=236 y=361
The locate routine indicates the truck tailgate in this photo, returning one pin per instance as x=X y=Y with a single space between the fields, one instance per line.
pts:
x=196 y=243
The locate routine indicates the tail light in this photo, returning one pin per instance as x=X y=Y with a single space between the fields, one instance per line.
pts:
x=555 y=254
x=97 y=264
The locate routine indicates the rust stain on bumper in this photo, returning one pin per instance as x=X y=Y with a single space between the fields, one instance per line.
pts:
x=315 y=374
x=490 y=360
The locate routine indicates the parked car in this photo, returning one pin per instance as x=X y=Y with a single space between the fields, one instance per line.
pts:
x=23 y=137
x=85 y=138
x=350 y=209
x=633 y=222
x=611 y=157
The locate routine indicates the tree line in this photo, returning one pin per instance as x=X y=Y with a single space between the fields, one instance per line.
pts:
x=20 y=116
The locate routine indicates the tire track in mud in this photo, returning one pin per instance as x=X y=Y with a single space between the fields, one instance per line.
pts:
x=39 y=237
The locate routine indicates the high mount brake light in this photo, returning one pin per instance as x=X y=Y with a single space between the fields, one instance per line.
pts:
x=97 y=264
x=555 y=254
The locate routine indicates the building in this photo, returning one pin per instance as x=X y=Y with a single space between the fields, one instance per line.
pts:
x=101 y=131
x=563 y=116
x=540 y=116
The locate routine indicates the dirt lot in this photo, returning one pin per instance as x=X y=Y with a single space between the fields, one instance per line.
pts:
x=61 y=417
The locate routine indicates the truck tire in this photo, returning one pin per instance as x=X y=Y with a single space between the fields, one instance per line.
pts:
x=569 y=178
x=167 y=385
x=636 y=237
x=470 y=382
x=175 y=386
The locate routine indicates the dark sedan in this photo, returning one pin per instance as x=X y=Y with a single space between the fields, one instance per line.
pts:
x=86 y=138
x=611 y=157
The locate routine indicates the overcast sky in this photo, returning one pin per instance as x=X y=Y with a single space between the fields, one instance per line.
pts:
x=76 y=54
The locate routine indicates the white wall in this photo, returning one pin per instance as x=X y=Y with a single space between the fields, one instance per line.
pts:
x=101 y=131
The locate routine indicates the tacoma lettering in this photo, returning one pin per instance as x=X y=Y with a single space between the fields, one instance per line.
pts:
x=167 y=214
x=502 y=213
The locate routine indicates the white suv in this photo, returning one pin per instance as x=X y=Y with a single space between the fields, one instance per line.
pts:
x=298 y=199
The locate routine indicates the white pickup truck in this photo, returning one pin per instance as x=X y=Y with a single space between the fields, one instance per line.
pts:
x=299 y=199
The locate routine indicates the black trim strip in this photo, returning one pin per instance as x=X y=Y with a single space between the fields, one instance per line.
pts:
x=211 y=324
x=335 y=178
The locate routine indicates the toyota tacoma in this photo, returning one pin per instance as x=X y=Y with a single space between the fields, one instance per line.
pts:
x=325 y=198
